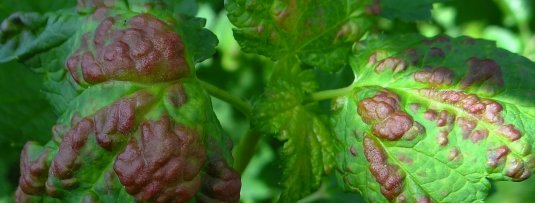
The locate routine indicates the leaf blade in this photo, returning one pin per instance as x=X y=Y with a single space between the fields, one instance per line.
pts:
x=307 y=148
x=442 y=111
x=321 y=33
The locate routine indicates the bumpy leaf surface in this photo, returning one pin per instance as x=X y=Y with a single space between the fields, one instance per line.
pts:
x=135 y=124
x=320 y=32
x=432 y=120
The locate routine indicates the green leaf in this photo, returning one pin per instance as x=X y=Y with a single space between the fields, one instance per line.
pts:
x=307 y=150
x=135 y=124
x=429 y=113
x=320 y=33
x=202 y=41
x=408 y=10
x=45 y=44
x=24 y=36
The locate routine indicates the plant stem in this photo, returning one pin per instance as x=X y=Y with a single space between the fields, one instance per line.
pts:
x=244 y=151
x=332 y=93
x=219 y=93
x=246 y=147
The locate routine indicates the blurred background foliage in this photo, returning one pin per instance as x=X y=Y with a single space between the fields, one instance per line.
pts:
x=25 y=114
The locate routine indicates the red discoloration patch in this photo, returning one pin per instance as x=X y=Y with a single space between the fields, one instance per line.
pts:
x=118 y=119
x=445 y=118
x=437 y=40
x=467 y=126
x=374 y=8
x=497 y=156
x=391 y=63
x=387 y=175
x=413 y=56
x=510 y=132
x=484 y=109
x=472 y=104
x=421 y=173
x=353 y=151
x=109 y=178
x=482 y=70
x=94 y=4
x=177 y=95
x=404 y=158
x=108 y=125
x=401 y=198
x=469 y=41
x=65 y=162
x=373 y=59
x=479 y=135
x=424 y=199
x=220 y=184
x=33 y=173
x=21 y=196
x=414 y=107
x=164 y=165
x=442 y=138
x=147 y=51
x=436 y=52
x=516 y=169
x=415 y=130
x=383 y=112
x=454 y=155
x=435 y=77
x=393 y=127
x=492 y=111
x=430 y=115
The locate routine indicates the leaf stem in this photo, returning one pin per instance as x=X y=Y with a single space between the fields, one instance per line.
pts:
x=332 y=93
x=244 y=151
x=246 y=147
x=236 y=102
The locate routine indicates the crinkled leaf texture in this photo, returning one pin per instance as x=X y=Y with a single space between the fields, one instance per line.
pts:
x=23 y=35
x=320 y=32
x=307 y=150
x=135 y=124
x=435 y=119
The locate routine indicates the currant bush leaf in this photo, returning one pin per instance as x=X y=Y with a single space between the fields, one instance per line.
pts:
x=430 y=113
x=307 y=150
x=321 y=33
x=407 y=10
x=38 y=44
x=26 y=34
x=135 y=124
